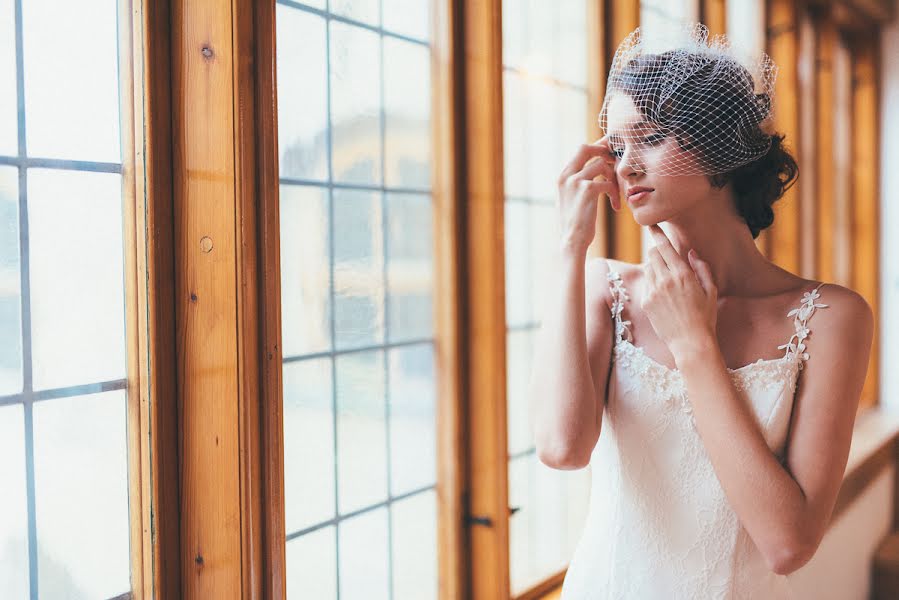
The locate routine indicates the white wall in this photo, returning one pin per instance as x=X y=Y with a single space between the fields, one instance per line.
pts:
x=889 y=218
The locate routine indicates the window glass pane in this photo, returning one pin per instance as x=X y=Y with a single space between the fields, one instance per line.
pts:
x=410 y=266
x=358 y=268
x=8 y=91
x=13 y=513
x=303 y=89
x=361 y=430
x=76 y=271
x=305 y=272
x=308 y=443
x=545 y=120
x=365 y=11
x=413 y=435
x=65 y=45
x=407 y=105
x=355 y=104
x=10 y=284
x=407 y=17
x=312 y=565
x=63 y=360
x=415 y=547
x=81 y=485
x=519 y=351
x=364 y=565
x=357 y=263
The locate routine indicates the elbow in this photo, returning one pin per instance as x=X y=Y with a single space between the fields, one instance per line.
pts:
x=791 y=557
x=565 y=459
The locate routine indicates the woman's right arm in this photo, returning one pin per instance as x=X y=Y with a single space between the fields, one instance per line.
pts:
x=571 y=359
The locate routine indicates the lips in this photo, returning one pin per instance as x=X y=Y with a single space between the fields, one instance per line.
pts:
x=637 y=190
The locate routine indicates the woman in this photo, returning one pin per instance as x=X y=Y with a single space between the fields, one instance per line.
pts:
x=716 y=423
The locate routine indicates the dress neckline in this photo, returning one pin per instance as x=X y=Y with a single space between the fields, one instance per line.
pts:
x=674 y=370
x=794 y=353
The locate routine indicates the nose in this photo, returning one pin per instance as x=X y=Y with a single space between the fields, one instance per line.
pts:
x=629 y=165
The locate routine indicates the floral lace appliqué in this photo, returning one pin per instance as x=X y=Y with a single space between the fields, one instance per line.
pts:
x=619 y=295
x=795 y=350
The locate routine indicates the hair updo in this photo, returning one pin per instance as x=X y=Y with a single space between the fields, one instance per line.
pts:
x=714 y=113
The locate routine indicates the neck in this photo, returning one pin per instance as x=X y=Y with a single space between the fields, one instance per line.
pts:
x=720 y=237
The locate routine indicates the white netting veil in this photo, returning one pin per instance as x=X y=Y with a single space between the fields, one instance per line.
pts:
x=687 y=104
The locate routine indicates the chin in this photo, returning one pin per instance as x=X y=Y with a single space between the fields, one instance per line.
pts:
x=647 y=217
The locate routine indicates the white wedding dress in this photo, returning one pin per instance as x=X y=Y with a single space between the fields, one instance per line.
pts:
x=659 y=524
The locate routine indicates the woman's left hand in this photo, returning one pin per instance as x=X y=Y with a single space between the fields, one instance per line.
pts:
x=680 y=296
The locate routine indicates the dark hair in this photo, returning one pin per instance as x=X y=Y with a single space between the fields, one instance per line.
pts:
x=724 y=131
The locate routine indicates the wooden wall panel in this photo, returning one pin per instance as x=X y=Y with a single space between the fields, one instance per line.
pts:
x=866 y=191
x=782 y=42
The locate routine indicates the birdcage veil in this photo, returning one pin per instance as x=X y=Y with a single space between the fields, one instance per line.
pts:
x=714 y=100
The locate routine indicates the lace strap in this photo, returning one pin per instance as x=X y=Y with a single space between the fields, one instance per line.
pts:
x=795 y=348
x=619 y=296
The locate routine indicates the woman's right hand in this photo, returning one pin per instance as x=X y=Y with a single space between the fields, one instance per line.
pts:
x=578 y=193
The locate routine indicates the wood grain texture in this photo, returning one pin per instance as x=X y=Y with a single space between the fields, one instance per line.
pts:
x=485 y=323
x=270 y=484
x=206 y=196
x=153 y=461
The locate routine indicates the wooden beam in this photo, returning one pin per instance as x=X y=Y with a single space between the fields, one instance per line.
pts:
x=485 y=323
x=713 y=13
x=622 y=17
x=808 y=146
x=216 y=302
x=866 y=190
x=153 y=449
x=825 y=45
x=782 y=41
x=447 y=146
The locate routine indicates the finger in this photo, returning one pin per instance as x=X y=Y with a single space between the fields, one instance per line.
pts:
x=674 y=261
x=596 y=167
x=649 y=278
x=584 y=153
x=703 y=272
x=658 y=263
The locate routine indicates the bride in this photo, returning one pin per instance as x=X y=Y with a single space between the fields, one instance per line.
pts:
x=712 y=392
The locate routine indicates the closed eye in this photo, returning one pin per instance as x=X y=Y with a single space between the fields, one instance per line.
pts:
x=653 y=140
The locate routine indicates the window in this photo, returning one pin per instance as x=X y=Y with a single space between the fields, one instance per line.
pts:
x=545 y=101
x=354 y=130
x=64 y=513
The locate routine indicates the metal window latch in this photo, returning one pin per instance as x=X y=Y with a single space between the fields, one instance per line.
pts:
x=487 y=521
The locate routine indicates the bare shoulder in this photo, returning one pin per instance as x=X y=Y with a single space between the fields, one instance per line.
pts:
x=596 y=281
x=597 y=277
x=847 y=316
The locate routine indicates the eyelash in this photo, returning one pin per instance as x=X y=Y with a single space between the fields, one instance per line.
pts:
x=652 y=140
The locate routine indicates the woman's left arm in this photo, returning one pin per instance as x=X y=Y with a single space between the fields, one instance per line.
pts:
x=785 y=509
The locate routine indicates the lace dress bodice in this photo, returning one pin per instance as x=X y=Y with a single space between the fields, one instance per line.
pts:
x=659 y=524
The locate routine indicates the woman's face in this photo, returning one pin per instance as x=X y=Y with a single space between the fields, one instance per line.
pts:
x=643 y=153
